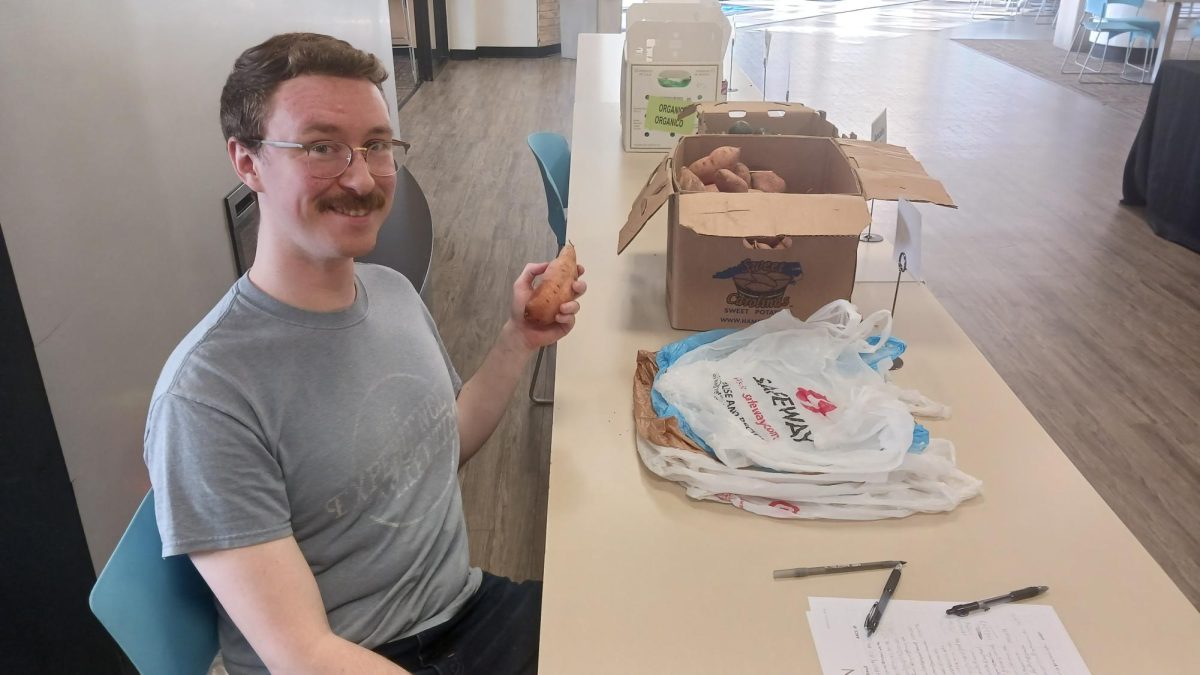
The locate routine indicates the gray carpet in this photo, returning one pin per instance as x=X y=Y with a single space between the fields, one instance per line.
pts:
x=1043 y=59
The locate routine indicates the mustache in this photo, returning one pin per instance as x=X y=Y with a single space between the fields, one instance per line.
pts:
x=371 y=201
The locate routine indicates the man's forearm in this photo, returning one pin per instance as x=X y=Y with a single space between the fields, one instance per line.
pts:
x=485 y=397
x=333 y=655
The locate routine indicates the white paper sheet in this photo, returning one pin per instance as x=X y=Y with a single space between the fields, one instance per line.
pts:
x=879 y=128
x=908 y=238
x=918 y=638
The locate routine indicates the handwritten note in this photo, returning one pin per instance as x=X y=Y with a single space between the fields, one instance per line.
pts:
x=918 y=638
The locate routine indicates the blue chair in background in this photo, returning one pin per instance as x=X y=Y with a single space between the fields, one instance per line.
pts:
x=159 y=610
x=553 y=157
x=1195 y=34
x=1095 y=20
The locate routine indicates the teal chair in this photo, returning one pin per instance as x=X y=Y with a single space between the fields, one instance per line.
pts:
x=553 y=157
x=1095 y=20
x=1195 y=34
x=159 y=610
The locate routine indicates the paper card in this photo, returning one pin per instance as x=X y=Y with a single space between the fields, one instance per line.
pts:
x=662 y=114
x=879 y=128
x=908 y=238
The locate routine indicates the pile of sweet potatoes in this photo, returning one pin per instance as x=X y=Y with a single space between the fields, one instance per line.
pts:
x=722 y=171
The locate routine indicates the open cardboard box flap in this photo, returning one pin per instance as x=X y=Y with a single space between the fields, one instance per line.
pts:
x=753 y=107
x=722 y=214
x=890 y=172
x=792 y=119
x=657 y=190
x=882 y=172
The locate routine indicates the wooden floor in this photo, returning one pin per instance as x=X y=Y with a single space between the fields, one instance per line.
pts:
x=1090 y=318
x=468 y=130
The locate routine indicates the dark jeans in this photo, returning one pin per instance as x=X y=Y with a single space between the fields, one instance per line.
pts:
x=496 y=633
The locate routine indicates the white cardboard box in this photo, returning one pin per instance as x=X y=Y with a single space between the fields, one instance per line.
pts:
x=673 y=50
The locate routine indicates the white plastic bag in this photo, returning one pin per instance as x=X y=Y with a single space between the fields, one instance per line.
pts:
x=927 y=482
x=796 y=396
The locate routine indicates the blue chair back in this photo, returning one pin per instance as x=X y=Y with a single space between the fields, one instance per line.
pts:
x=553 y=157
x=1099 y=8
x=159 y=610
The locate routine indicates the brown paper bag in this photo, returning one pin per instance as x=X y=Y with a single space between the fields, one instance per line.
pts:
x=658 y=430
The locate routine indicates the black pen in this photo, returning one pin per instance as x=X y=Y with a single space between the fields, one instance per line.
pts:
x=985 y=605
x=889 y=588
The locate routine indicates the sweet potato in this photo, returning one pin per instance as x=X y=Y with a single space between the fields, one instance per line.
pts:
x=728 y=181
x=688 y=181
x=767 y=181
x=711 y=188
x=723 y=157
x=554 y=289
x=742 y=172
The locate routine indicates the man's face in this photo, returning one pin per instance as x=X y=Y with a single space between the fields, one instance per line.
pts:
x=322 y=219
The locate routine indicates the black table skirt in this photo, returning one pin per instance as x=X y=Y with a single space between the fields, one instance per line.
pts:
x=1163 y=170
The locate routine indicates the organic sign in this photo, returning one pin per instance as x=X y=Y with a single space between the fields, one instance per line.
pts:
x=662 y=114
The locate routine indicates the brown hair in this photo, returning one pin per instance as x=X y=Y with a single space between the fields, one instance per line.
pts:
x=258 y=72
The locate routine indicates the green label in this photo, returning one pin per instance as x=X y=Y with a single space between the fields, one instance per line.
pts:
x=662 y=114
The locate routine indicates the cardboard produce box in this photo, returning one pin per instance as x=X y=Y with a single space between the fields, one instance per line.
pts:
x=787 y=119
x=673 y=56
x=736 y=258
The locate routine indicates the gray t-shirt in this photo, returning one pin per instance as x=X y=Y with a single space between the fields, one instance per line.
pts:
x=339 y=429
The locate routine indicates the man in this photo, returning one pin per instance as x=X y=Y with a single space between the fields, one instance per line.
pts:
x=304 y=438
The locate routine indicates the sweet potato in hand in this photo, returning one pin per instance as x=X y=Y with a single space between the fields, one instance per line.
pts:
x=728 y=181
x=555 y=288
x=767 y=181
x=723 y=157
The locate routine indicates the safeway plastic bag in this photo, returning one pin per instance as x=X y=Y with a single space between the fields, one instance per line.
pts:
x=924 y=482
x=886 y=351
x=927 y=482
x=796 y=396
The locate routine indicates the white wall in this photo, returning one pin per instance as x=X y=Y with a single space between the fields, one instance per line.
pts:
x=506 y=23
x=112 y=182
x=461 y=24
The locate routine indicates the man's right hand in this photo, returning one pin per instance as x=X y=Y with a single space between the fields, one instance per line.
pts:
x=272 y=597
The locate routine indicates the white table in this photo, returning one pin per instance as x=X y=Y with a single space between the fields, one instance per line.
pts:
x=640 y=579
x=1166 y=36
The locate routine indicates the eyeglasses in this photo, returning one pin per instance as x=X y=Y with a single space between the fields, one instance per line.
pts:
x=330 y=159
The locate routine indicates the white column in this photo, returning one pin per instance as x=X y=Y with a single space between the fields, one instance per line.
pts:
x=461 y=24
x=608 y=17
x=1069 y=13
x=575 y=17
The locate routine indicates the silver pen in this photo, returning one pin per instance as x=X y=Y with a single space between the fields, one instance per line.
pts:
x=836 y=569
